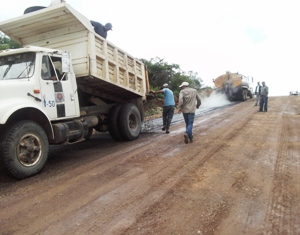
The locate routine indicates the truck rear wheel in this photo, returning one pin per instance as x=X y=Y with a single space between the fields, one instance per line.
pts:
x=244 y=95
x=130 y=122
x=25 y=149
x=113 y=125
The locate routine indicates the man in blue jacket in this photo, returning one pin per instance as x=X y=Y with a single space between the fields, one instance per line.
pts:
x=168 y=107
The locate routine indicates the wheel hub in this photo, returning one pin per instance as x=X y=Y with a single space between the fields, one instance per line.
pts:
x=29 y=150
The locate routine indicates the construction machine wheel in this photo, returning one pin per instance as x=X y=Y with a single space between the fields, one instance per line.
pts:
x=25 y=149
x=244 y=95
x=113 y=123
x=130 y=121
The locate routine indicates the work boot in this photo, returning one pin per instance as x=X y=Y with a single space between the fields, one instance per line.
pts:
x=186 y=139
x=167 y=128
x=163 y=128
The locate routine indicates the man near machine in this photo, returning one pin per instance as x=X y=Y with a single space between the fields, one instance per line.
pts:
x=168 y=107
x=263 y=105
x=189 y=100
x=257 y=93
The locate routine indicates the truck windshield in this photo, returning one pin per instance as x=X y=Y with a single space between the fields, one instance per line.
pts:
x=17 y=66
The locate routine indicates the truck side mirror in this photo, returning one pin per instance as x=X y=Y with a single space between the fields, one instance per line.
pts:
x=65 y=62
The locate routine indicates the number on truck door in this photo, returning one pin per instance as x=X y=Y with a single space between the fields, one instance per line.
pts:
x=57 y=90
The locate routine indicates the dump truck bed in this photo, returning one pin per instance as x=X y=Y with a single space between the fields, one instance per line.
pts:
x=101 y=68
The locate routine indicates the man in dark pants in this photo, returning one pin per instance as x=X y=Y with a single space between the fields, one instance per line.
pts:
x=263 y=105
x=100 y=29
x=168 y=107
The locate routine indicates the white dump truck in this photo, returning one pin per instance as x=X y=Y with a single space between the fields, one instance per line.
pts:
x=65 y=82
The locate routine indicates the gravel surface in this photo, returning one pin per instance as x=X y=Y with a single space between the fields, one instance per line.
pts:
x=239 y=176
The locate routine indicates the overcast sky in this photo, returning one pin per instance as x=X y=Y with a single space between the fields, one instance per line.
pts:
x=257 y=38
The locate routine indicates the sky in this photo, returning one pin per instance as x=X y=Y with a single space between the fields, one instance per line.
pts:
x=256 y=38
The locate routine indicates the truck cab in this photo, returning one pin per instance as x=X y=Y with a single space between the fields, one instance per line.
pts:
x=39 y=81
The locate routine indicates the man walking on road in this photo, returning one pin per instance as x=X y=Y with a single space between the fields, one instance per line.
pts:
x=257 y=93
x=189 y=99
x=263 y=105
x=168 y=107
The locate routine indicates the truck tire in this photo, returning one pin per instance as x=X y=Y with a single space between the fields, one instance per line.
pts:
x=32 y=9
x=130 y=122
x=25 y=149
x=244 y=95
x=229 y=95
x=113 y=123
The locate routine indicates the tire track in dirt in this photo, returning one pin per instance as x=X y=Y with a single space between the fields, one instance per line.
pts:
x=283 y=209
x=122 y=192
x=157 y=183
x=218 y=210
x=62 y=188
x=193 y=166
x=146 y=190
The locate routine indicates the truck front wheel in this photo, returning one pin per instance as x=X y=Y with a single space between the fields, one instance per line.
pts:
x=130 y=122
x=25 y=149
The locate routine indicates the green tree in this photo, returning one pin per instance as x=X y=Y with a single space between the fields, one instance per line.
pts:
x=7 y=43
x=160 y=72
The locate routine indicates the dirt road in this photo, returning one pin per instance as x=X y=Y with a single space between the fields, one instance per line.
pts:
x=240 y=176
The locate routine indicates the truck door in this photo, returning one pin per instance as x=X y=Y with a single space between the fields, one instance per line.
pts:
x=58 y=93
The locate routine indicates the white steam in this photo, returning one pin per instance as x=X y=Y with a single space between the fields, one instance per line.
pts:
x=214 y=100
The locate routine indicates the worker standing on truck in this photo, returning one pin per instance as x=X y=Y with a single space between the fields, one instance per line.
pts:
x=100 y=29
x=263 y=106
x=189 y=100
x=257 y=93
x=168 y=107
